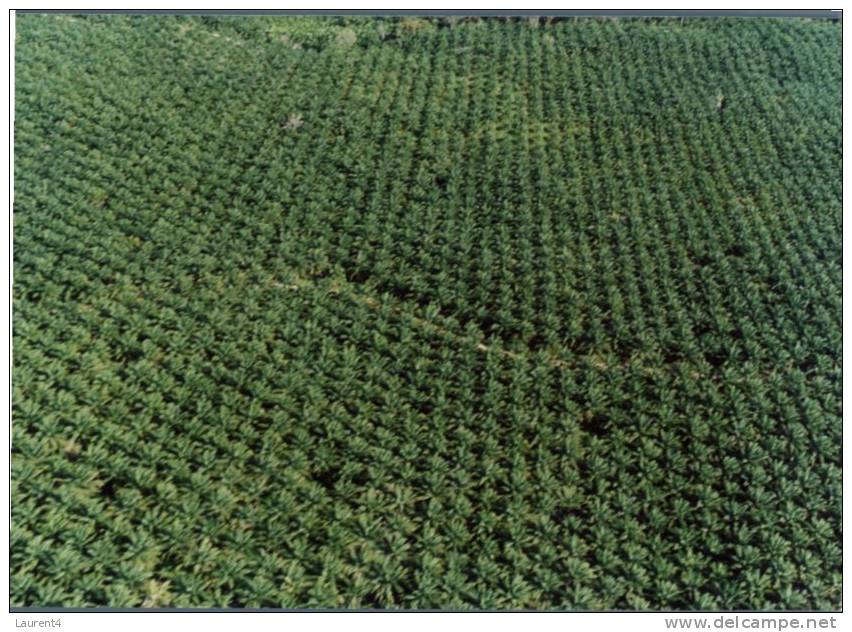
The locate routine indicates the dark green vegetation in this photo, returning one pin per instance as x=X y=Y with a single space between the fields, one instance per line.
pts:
x=407 y=314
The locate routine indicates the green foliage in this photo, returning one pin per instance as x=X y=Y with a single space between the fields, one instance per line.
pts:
x=429 y=314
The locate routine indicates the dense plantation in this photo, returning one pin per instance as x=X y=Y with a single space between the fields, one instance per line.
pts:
x=427 y=314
